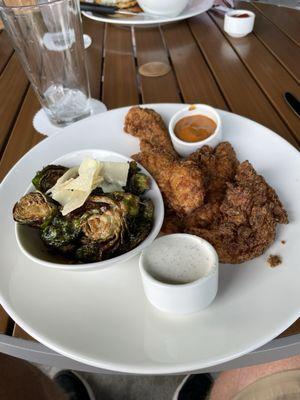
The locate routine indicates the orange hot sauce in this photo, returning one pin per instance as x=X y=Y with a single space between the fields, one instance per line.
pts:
x=194 y=128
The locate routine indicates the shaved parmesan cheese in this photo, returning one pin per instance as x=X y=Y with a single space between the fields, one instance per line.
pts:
x=72 y=192
x=111 y=187
x=74 y=187
x=69 y=175
x=116 y=172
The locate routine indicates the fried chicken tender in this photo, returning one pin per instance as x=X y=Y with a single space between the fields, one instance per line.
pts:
x=249 y=213
x=149 y=126
x=219 y=167
x=181 y=182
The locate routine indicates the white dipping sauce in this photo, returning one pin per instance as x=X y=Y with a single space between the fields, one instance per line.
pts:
x=178 y=260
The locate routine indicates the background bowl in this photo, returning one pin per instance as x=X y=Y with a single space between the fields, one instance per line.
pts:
x=31 y=245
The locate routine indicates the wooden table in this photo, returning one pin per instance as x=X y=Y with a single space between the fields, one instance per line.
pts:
x=247 y=76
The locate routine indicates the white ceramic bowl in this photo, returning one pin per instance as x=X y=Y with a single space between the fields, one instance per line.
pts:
x=186 y=148
x=31 y=245
x=166 y=8
x=238 y=27
x=173 y=284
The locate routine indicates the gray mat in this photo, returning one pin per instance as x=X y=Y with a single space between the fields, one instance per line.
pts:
x=118 y=387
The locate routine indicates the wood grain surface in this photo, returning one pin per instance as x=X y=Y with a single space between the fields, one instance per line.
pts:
x=271 y=76
x=247 y=76
x=287 y=21
x=6 y=50
x=120 y=79
x=195 y=79
x=234 y=79
x=13 y=85
x=285 y=50
x=18 y=332
x=4 y=321
x=94 y=55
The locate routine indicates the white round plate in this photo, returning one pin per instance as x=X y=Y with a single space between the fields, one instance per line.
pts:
x=30 y=243
x=194 y=7
x=102 y=318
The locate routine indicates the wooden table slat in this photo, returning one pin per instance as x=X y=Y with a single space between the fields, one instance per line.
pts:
x=6 y=50
x=285 y=18
x=13 y=84
x=150 y=48
x=120 y=82
x=18 y=332
x=196 y=81
x=94 y=54
x=286 y=51
x=23 y=136
x=272 y=77
x=292 y=330
x=4 y=320
x=232 y=75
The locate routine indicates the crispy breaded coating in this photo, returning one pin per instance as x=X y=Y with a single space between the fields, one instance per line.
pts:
x=209 y=194
x=149 y=126
x=181 y=182
x=247 y=221
x=219 y=167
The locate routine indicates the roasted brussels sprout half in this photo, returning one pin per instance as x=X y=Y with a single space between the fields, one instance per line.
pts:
x=103 y=225
x=61 y=234
x=34 y=209
x=137 y=182
x=139 y=227
x=47 y=177
x=89 y=252
x=129 y=202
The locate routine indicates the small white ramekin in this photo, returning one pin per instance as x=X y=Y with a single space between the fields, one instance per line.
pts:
x=238 y=27
x=183 y=298
x=186 y=148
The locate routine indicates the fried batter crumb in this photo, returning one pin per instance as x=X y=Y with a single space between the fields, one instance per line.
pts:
x=274 y=260
x=283 y=242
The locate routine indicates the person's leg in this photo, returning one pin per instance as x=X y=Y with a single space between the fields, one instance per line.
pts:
x=229 y=383
x=19 y=380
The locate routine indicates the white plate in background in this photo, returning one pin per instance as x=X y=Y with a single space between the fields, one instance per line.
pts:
x=194 y=7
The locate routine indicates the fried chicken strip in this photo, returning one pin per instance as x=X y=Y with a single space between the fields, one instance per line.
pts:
x=219 y=167
x=248 y=217
x=149 y=127
x=181 y=182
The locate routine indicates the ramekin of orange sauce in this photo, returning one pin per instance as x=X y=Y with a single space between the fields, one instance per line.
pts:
x=193 y=127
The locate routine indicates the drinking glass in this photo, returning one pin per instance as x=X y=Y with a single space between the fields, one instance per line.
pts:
x=47 y=36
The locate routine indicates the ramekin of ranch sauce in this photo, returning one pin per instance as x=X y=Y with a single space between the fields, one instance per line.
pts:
x=180 y=273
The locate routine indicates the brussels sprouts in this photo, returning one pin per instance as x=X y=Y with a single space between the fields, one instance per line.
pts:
x=137 y=182
x=103 y=225
x=140 y=183
x=129 y=203
x=47 y=177
x=147 y=211
x=34 y=209
x=139 y=227
x=89 y=252
x=61 y=234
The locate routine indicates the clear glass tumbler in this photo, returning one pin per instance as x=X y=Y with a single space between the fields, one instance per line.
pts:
x=48 y=37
